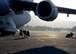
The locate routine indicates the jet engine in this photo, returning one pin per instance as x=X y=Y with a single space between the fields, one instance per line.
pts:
x=46 y=10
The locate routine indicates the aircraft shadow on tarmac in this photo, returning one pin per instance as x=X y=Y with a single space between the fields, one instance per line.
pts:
x=20 y=38
x=42 y=50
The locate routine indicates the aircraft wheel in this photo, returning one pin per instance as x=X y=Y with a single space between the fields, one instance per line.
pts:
x=28 y=33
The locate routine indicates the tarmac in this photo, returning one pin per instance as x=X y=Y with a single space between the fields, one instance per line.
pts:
x=39 y=42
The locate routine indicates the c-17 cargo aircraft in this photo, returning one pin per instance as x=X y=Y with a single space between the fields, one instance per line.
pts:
x=16 y=13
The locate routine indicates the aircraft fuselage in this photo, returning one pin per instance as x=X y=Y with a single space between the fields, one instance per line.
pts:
x=11 y=22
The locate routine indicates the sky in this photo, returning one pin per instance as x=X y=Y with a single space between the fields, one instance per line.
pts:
x=62 y=19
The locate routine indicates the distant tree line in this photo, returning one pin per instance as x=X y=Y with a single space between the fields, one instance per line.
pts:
x=73 y=29
x=45 y=28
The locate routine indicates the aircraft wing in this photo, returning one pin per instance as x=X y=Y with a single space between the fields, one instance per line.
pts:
x=66 y=10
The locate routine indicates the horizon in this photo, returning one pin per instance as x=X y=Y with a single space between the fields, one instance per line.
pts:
x=57 y=23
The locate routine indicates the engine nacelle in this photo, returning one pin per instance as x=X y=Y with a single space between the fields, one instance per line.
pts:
x=46 y=10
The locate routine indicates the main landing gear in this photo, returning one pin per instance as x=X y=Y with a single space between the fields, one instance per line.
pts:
x=24 y=33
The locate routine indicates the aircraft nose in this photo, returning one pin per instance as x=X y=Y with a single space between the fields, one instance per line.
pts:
x=4 y=7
